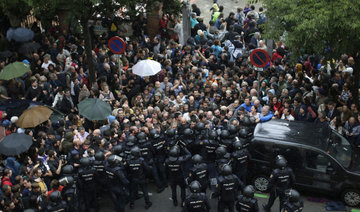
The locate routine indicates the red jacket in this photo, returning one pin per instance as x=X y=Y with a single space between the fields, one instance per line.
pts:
x=6 y=181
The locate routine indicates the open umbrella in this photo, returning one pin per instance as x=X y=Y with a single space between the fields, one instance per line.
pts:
x=14 y=70
x=94 y=109
x=34 y=116
x=19 y=34
x=5 y=54
x=57 y=115
x=15 y=144
x=146 y=68
x=29 y=47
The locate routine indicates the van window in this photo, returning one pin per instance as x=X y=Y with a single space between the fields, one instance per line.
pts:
x=262 y=151
x=292 y=155
x=317 y=161
x=340 y=149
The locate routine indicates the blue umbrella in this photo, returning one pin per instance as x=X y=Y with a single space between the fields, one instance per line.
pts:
x=19 y=34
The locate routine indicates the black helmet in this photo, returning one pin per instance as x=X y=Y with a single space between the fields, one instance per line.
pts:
x=188 y=132
x=195 y=187
x=66 y=181
x=135 y=152
x=232 y=129
x=226 y=170
x=196 y=159
x=174 y=153
x=55 y=196
x=238 y=145
x=243 y=132
x=200 y=126
x=220 y=151
x=141 y=136
x=246 y=121
x=252 y=120
x=99 y=156
x=68 y=169
x=131 y=140
x=154 y=133
x=225 y=134
x=30 y=210
x=281 y=162
x=170 y=132
x=249 y=191
x=85 y=162
x=293 y=195
x=114 y=159
x=213 y=134
x=118 y=149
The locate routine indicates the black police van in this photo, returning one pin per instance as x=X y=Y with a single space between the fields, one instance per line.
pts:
x=322 y=160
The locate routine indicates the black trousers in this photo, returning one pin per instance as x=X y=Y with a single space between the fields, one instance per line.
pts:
x=134 y=185
x=276 y=193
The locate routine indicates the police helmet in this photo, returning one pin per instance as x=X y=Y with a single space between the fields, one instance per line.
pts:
x=55 y=196
x=170 y=132
x=114 y=159
x=154 y=133
x=293 y=195
x=30 y=210
x=249 y=191
x=85 y=162
x=232 y=129
x=196 y=159
x=252 y=120
x=226 y=170
x=246 y=121
x=99 y=156
x=224 y=134
x=68 y=169
x=135 y=152
x=141 y=136
x=220 y=151
x=131 y=140
x=195 y=187
x=213 y=134
x=188 y=132
x=174 y=153
x=118 y=149
x=238 y=145
x=66 y=181
x=200 y=126
x=243 y=132
x=281 y=162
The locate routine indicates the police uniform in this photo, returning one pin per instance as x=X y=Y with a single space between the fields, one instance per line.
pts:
x=293 y=207
x=87 y=186
x=240 y=159
x=159 y=155
x=196 y=203
x=246 y=204
x=200 y=173
x=173 y=166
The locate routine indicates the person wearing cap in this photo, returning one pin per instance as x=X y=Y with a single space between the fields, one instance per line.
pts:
x=173 y=164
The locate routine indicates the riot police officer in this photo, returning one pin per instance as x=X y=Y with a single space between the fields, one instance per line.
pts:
x=158 y=147
x=130 y=143
x=136 y=167
x=87 y=184
x=177 y=155
x=69 y=193
x=240 y=158
x=187 y=140
x=281 y=179
x=227 y=189
x=245 y=136
x=146 y=152
x=119 y=150
x=208 y=152
x=99 y=166
x=222 y=158
x=116 y=182
x=226 y=140
x=196 y=201
x=56 y=203
x=247 y=202
x=293 y=202
x=199 y=172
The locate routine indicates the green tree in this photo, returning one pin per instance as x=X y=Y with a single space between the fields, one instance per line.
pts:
x=327 y=27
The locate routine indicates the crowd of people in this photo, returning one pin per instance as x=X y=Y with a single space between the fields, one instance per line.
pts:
x=206 y=96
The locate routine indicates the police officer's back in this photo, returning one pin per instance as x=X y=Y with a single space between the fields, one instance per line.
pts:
x=99 y=166
x=227 y=189
x=56 y=203
x=87 y=183
x=281 y=179
x=196 y=201
x=116 y=182
x=199 y=172
x=69 y=193
x=293 y=202
x=246 y=202
x=240 y=158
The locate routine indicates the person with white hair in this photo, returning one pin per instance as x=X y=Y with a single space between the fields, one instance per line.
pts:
x=265 y=115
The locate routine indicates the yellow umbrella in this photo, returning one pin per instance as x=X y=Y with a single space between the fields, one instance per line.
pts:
x=34 y=116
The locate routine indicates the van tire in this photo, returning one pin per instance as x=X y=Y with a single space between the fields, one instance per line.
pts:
x=261 y=183
x=351 y=197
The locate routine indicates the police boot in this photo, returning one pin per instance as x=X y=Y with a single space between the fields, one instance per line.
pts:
x=175 y=202
x=148 y=205
x=266 y=208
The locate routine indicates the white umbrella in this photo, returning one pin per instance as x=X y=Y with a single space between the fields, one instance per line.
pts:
x=146 y=68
